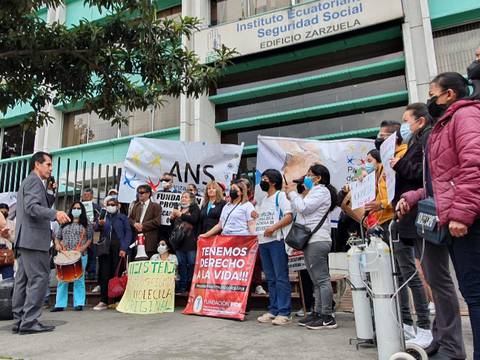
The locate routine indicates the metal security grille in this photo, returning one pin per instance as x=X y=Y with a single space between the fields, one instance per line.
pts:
x=455 y=47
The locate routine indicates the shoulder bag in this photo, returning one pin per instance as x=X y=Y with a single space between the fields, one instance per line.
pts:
x=118 y=284
x=300 y=234
x=103 y=245
x=428 y=223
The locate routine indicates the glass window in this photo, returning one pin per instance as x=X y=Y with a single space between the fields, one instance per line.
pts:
x=75 y=128
x=455 y=48
x=17 y=142
x=317 y=127
x=313 y=98
x=99 y=129
x=139 y=122
x=168 y=115
x=223 y=11
x=261 y=6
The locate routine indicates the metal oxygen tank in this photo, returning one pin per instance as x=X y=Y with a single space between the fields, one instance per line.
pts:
x=361 y=302
x=379 y=264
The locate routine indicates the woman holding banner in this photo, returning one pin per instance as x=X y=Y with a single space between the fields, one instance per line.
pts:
x=236 y=217
x=312 y=208
x=213 y=204
x=187 y=217
x=275 y=214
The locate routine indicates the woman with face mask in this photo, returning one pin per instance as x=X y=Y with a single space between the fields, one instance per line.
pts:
x=317 y=201
x=76 y=235
x=164 y=254
x=452 y=178
x=274 y=215
x=415 y=129
x=236 y=217
x=115 y=229
x=187 y=216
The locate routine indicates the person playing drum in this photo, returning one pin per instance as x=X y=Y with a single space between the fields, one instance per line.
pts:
x=72 y=240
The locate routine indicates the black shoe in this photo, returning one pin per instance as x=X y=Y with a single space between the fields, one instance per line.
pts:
x=324 y=322
x=15 y=328
x=78 y=308
x=57 y=309
x=35 y=329
x=308 y=319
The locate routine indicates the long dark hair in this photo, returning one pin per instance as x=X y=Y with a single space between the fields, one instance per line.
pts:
x=83 y=220
x=453 y=81
x=321 y=170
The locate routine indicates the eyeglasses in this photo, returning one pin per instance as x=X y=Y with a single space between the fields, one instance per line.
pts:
x=77 y=208
x=141 y=192
x=167 y=180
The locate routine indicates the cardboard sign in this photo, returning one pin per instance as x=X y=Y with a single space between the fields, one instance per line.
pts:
x=169 y=201
x=363 y=191
x=222 y=276
x=296 y=261
x=150 y=288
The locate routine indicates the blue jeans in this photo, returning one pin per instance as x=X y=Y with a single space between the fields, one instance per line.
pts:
x=186 y=264
x=275 y=266
x=78 y=290
x=465 y=254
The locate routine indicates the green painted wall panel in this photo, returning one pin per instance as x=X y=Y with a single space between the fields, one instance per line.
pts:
x=311 y=81
x=319 y=110
x=15 y=116
x=446 y=14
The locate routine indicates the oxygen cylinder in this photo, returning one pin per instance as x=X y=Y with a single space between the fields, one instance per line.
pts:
x=378 y=264
x=361 y=303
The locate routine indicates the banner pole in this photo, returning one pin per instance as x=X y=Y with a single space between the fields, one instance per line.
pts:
x=302 y=296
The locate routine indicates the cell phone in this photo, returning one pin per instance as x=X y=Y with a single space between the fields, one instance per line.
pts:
x=103 y=213
x=51 y=180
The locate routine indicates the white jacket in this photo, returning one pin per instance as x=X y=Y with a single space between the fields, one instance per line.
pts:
x=311 y=209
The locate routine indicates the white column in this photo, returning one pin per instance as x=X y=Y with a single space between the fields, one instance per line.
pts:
x=197 y=116
x=421 y=65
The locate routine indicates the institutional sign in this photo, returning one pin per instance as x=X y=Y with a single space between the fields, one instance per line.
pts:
x=294 y=25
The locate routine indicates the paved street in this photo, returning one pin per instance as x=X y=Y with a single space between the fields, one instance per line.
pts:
x=112 y=335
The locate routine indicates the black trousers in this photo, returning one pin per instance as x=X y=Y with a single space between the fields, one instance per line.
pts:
x=107 y=267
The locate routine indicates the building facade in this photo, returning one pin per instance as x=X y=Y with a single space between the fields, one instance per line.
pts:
x=322 y=69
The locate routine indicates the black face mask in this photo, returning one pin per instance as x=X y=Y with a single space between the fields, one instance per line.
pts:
x=233 y=194
x=435 y=109
x=378 y=143
x=473 y=70
x=264 y=185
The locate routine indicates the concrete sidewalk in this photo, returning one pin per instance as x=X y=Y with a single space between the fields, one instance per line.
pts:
x=112 y=335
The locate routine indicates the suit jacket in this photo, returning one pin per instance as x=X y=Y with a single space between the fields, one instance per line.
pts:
x=34 y=214
x=210 y=219
x=151 y=223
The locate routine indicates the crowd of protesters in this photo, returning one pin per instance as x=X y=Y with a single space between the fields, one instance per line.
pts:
x=437 y=156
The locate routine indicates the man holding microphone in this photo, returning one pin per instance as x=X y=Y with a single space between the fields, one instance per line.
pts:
x=32 y=242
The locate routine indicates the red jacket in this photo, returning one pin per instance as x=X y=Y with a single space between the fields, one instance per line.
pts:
x=454 y=163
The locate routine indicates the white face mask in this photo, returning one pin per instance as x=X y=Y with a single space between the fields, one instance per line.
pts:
x=111 y=209
x=162 y=249
x=165 y=184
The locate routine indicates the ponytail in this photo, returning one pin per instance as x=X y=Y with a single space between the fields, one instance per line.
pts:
x=322 y=171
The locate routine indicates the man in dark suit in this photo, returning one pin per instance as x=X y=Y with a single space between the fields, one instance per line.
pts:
x=32 y=242
x=146 y=218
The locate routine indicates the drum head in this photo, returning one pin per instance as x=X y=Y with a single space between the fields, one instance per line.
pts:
x=67 y=257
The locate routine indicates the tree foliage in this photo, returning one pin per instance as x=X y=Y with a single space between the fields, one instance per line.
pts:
x=128 y=60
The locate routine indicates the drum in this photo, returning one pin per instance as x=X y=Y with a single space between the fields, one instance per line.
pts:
x=68 y=265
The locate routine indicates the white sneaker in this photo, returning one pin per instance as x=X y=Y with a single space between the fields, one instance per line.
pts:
x=266 y=318
x=259 y=290
x=409 y=332
x=423 y=339
x=282 y=320
x=431 y=307
x=100 y=306
x=301 y=313
x=96 y=289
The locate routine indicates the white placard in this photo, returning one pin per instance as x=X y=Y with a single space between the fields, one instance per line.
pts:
x=363 y=191
x=387 y=151
x=169 y=201
x=294 y=25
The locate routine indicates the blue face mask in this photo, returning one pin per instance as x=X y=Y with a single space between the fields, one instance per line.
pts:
x=308 y=182
x=76 y=213
x=369 y=167
x=405 y=132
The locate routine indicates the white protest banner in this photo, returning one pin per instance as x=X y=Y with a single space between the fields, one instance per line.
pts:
x=89 y=209
x=198 y=163
x=363 y=191
x=169 y=201
x=387 y=151
x=293 y=157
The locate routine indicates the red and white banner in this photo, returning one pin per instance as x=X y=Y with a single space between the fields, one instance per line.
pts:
x=222 y=276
